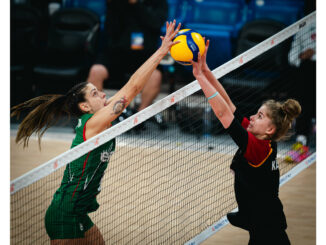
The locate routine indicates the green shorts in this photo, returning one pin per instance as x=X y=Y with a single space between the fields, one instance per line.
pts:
x=62 y=225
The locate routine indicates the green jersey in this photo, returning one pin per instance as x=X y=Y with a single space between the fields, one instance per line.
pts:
x=81 y=182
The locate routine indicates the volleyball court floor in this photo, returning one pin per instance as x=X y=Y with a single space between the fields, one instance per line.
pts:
x=298 y=195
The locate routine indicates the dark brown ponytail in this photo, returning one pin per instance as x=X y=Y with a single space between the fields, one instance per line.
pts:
x=46 y=110
x=282 y=116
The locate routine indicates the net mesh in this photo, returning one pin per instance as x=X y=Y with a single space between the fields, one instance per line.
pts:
x=167 y=186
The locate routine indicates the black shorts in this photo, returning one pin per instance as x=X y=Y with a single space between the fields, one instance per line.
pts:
x=268 y=237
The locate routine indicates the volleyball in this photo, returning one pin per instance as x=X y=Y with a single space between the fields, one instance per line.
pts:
x=187 y=49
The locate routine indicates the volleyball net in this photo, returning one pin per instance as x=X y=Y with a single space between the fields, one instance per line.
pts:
x=170 y=186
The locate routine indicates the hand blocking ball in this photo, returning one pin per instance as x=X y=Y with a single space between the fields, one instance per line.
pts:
x=187 y=49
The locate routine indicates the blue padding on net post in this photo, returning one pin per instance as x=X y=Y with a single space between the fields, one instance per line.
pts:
x=285 y=11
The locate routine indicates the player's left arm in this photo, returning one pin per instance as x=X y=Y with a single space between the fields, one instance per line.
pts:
x=221 y=109
x=216 y=83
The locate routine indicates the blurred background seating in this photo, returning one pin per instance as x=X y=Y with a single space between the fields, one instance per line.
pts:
x=97 y=6
x=25 y=41
x=61 y=45
x=262 y=73
x=285 y=11
x=71 y=45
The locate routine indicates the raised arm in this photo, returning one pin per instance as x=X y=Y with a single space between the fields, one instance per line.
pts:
x=215 y=83
x=220 y=107
x=103 y=118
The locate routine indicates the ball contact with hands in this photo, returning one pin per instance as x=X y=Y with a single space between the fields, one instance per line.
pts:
x=190 y=43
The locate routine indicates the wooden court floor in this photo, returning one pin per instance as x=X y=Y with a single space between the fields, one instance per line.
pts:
x=299 y=200
x=298 y=195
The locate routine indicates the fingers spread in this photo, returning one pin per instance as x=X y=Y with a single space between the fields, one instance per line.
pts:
x=172 y=26
x=176 y=42
x=171 y=32
x=207 y=43
x=178 y=28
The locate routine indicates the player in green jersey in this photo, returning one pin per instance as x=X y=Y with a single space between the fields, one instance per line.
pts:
x=67 y=220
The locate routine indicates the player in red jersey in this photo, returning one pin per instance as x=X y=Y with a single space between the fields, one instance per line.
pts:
x=255 y=166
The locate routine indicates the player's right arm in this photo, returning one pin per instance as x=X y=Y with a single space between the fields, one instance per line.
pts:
x=216 y=84
x=103 y=118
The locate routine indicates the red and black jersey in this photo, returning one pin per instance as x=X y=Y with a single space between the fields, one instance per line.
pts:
x=256 y=177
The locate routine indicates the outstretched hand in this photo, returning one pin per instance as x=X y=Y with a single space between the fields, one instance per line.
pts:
x=197 y=66
x=167 y=40
x=200 y=66
x=204 y=64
